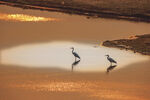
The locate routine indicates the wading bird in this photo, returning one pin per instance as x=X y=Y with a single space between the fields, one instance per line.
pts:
x=75 y=54
x=110 y=59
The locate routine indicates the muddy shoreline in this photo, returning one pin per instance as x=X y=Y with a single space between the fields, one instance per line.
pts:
x=138 y=43
x=82 y=9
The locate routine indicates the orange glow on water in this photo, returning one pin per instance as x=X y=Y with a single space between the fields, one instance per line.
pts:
x=100 y=90
x=49 y=54
x=24 y=18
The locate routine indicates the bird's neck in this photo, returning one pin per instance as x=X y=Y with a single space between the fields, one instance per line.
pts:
x=72 y=50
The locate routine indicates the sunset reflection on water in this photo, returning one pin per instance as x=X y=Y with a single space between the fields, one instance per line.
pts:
x=24 y=18
x=101 y=90
x=47 y=55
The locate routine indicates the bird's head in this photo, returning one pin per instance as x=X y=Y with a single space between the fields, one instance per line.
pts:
x=107 y=55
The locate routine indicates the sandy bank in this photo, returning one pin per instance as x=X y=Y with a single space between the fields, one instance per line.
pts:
x=138 y=43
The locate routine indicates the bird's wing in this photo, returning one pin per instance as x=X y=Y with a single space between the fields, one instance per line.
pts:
x=112 y=60
x=76 y=55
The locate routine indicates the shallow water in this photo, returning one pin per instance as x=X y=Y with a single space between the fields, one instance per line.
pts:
x=38 y=41
x=59 y=55
x=23 y=18
x=66 y=27
x=24 y=30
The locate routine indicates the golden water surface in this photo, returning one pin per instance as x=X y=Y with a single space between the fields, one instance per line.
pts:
x=23 y=18
x=36 y=62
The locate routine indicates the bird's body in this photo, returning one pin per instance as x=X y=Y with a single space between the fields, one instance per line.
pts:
x=111 y=60
x=75 y=54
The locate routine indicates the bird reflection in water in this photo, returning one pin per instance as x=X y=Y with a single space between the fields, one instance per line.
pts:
x=111 y=67
x=75 y=63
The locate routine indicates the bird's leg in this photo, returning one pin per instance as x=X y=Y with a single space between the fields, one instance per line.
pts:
x=111 y=64
x=75 y=59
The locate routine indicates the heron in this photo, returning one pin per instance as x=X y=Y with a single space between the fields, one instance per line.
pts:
x=75 y=54
x=111 y=60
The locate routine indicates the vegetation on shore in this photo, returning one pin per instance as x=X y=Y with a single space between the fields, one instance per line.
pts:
x=138 y=43
x=133 y=10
